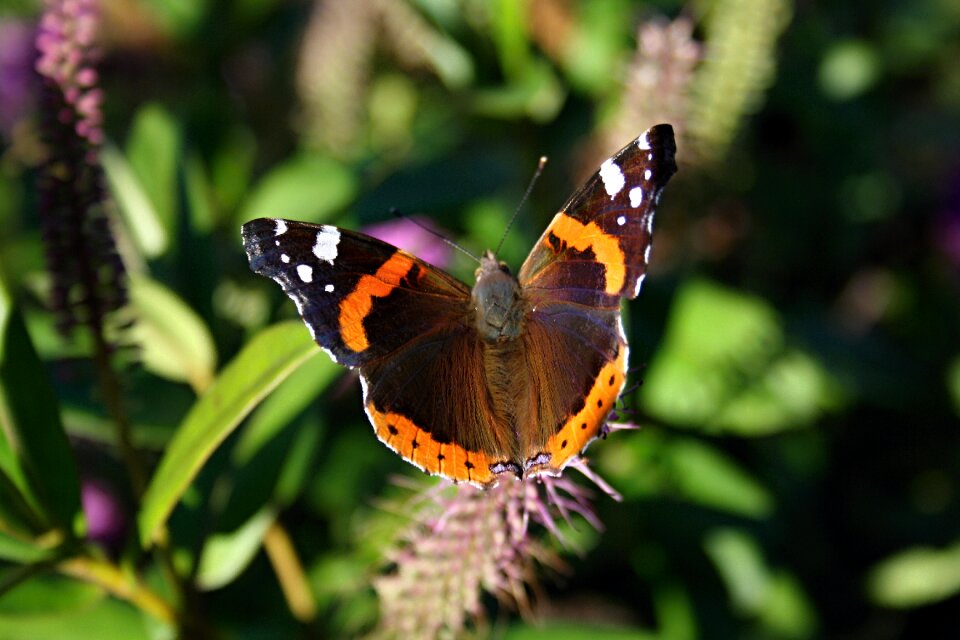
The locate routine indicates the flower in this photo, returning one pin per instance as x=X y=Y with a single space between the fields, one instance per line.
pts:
x=464 y=542
x=88 y=276
x=417 y=236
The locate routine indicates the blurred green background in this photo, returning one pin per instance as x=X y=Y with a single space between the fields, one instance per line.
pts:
x=798 y=467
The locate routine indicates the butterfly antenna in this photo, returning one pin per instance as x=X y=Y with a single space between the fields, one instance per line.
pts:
x=397 y=213
x=523 y=200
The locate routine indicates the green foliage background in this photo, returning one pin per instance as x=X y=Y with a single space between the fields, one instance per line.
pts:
x=798 y=470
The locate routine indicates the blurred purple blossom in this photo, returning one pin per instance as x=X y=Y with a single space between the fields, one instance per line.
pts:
x=464 y=542
x=948 y=223
x=106 y=521
x=16 y=72
x=407 y=235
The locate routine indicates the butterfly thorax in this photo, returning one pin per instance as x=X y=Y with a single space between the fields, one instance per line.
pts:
x=497 y=301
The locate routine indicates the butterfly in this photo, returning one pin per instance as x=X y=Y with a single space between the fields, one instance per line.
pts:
x=516 y=375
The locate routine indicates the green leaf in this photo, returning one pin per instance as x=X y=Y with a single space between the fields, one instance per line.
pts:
x=174 y=340
x=35 y=454
x=226 y=555
x=916 y=577
x=21 y=551
x=740 y=562
x=703 y=474
x=140 y=217
x=264 y=362
x=60 y=609
x=307 y=187
x=772 y=597
x=725 y=365
x=153 y=147
x=953 y=384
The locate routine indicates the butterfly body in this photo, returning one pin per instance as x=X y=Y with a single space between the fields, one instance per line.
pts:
x=516 y=375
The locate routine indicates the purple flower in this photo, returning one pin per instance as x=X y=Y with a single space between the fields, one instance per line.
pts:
x=88 y=276
x=948 y=223
x=106 y=521
x=410 y=237
x=465 y=542
x=16 y=73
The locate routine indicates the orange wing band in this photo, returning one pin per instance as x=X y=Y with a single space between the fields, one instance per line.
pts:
x=590 y=236
x=356 y=306
x=418 y=447
x=580 y=429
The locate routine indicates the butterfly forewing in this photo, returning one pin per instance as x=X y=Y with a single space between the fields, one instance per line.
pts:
x=360 y=297
x=596 y=249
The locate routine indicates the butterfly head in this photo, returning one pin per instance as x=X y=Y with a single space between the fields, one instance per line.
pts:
x=497 y=301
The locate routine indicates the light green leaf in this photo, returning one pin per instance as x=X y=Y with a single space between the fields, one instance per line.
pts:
x=705 y=475
x=725 y=365
x=264 y=362
x=740 y=562
x=140 y=216
x=308 y=187
x=772 y=597
x=916 y=577
x=35 y=456
x=153 y=148
x=20 y=551
x=175 y=343
x=60 y=609
x=226 y=555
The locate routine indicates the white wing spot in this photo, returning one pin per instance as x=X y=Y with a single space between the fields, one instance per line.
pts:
x=647 y=174
x=622 y=220
x=328 y=288
x=612 y=177
x=650 y=224
x=649 y=157
x=636 y=197
x=646 y=254
x=281 y=228
x=636 y=289
x=284 y=258
x=643 y=143
x=327 y=240
x=305 y=272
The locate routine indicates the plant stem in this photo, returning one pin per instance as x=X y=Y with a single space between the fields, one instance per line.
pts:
x=122 y=585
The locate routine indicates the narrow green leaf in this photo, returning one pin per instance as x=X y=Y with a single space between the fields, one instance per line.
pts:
x=741 y=564
x=705 y=475
x=153 y=147
x=140 y=217
x=307 y=187
x=34 y=452
x=174 y=340
x=953 y=384
x=20 y=551
x=60 y=609
x=265 y=361
x=226 y=555
x=916 y=577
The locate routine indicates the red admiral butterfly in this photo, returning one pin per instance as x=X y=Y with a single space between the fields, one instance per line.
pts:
x=518 y=374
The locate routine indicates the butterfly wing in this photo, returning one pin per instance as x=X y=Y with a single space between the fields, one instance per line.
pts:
x=360 y=297
x=594 y=253
x=406 y=325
